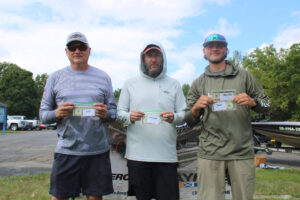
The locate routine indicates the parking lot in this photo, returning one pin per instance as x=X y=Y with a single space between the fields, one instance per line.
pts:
x=31 y=152
x=28 y=152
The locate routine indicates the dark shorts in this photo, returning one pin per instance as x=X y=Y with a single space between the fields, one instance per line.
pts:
x=72 y=175
x=153 y=180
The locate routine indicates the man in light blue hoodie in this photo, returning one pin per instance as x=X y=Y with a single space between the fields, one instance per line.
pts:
x=152 y=104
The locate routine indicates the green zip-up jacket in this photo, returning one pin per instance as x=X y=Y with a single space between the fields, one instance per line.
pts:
x=225 y=135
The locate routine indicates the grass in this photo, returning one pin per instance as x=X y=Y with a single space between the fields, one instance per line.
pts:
x=276 y=182
x=25 y=187
x=270 y=185
x=9 y=131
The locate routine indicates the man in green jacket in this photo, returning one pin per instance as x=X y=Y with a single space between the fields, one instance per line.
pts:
x=219 y=103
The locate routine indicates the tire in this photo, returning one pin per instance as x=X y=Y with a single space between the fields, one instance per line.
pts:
x=14 y=127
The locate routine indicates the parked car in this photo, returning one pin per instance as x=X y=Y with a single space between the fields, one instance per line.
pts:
x=34 y=123
x=51 y=126
x=42 y=126
x=17 y=122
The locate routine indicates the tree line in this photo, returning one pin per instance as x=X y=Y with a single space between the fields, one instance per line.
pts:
x=279 y=74
x=19 y=91
x=278 y=71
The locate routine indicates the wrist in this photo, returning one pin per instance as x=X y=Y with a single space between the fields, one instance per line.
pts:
x=255 y=102
x=196 y=112
x=57 y=115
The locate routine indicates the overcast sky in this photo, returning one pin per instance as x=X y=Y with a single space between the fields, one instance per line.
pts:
x=33 y=32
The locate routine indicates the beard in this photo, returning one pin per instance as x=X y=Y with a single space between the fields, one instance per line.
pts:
x=153 y=73
x=216 y=61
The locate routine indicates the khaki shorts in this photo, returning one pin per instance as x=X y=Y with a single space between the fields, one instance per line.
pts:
x=211 y=179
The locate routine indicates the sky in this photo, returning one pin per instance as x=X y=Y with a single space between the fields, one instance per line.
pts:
x=33 y=32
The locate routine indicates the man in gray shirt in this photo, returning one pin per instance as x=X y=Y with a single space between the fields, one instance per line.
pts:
x=81 y=159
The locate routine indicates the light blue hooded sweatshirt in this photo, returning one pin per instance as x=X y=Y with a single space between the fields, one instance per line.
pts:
x=151 y=142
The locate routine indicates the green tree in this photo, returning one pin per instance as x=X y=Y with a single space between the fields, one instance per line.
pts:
x=185 y=89
x=4 y=66
x=117 y=93
x=40 y=82
x=18 y=91
x=292 y=75
x=237 y=58
x=279 y=75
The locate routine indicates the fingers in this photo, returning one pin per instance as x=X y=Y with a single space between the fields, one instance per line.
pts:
x=66 y=106
x=204 y=101
x=64 y=110
x=167 y=116
x=100 y=110
x=136 y=115
x=244 y=99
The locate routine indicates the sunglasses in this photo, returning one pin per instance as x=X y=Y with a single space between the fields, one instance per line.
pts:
x=81 y=47
x=215 y=37
x=218 y=45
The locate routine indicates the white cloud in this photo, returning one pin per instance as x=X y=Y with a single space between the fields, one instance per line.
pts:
x=287 y=37
x=39 y=51
x=118 y=70
x=262 y=46
x=220 y=2
x=191 y=53
x=186 y=74
x=33 y=33
x=186 y=59
x=225 y=28
x=296 y=13
x=167 y=12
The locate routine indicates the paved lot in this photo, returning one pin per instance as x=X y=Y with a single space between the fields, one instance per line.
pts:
x=29 y=152
x=287 y=160
x=32 y=152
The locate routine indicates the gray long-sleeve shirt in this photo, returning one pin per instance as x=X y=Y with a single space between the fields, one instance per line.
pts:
x=79 y=135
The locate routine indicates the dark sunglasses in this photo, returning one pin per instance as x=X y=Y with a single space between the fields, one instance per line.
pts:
x=218 y=45
x=81 y=47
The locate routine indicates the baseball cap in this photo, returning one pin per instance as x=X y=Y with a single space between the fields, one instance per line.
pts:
x=214 y=37
x=77 y=36
x=151 y=47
